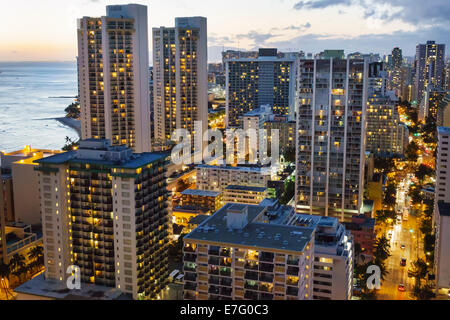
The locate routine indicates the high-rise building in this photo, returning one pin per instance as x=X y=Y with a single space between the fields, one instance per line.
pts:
x=385 y=133
x=397 y=58
x=428 y=108
x=180 y=71
x=331 y=134
x=430 y=67
x=441 y=217
x=266 y=80
x=235 y=255
x=114 y=77
x=104 y=209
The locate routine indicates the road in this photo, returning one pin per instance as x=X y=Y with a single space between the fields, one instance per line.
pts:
x=404 y=233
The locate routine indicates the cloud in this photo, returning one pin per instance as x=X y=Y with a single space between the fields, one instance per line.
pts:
x=376 y=43
x=409 y=11
x=319 y=4
x=257 y=37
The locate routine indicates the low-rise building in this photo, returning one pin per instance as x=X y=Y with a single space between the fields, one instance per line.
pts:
x=210 y=201
x=362 y=229
x=234 y=255
x=217 y=178
x=244 y=194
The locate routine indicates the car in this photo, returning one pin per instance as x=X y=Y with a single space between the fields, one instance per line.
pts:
x=403 y=247
x=401 y=288
x=403 y=262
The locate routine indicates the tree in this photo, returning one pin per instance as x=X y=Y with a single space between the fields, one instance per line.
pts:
x=36 y=255
x=424 y=171
x=5 y=272
x=70 y=144
x=289 y=192
x=419 y=271
x=382 y=249
x=390 y=196
x=73 y=110
x=412 y=152
x=423 y=293
x=386 y=217
x=18 y=265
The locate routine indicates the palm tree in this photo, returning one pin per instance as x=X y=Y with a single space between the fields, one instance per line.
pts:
x=419 y=271
x=17 y=265
x=382 y=249
x=5 y=272
x=36 y=255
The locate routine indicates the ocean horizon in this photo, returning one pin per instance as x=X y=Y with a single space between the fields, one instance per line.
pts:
x=32 y=95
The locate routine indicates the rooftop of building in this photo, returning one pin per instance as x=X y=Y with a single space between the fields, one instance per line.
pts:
x=256 y=169
x=100 y=148
x=202 y=193
x=271 y=237
x=198 y=219
x=58 y=290
x=246 y=188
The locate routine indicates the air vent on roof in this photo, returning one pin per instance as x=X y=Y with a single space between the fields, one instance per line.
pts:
x=285 y=243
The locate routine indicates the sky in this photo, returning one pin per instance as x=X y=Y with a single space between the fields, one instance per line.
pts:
x=45 y=30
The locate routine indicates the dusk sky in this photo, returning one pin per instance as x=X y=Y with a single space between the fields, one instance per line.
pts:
x=45 y=30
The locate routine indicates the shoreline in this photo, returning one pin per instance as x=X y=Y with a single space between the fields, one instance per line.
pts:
x=71 y=123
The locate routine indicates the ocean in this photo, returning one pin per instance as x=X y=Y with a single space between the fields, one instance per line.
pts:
x=30 y=98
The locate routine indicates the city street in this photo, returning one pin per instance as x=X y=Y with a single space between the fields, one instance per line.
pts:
x=404 y=233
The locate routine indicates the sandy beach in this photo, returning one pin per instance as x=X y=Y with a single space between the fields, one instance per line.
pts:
x=72 y=123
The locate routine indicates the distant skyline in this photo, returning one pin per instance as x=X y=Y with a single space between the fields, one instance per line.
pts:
x=46 y=30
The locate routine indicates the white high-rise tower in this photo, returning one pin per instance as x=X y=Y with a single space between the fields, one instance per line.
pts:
x=113 y=76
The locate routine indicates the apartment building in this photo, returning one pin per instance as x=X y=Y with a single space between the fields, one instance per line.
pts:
x=429 y=107
x=114 y=77
x=443 y=112
x=20 y=182
x=217 y=178
x=333 y=257
x=441 y=216
x=104 y=209
x=265 y=80
x=208 y=200
x=244 y=194
x=286 y=132
x=430 y=68
x=234 y=255
x=331 y=130
x=180 y=70
x=385 y=134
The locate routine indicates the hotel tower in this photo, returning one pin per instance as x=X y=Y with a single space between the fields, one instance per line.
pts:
x=331 y=137
x=104 y=210
x=180 y=59
x=113 y=76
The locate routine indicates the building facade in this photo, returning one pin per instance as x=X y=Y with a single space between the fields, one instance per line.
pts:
x=385 y=133
x=180 y=71
x=253 y=82
x=104 y=209
x=430 y=68
x=234 y=255
x=217 y=178
x=331 y=131
x=114 y=77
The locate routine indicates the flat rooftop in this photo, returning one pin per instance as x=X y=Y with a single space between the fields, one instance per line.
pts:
x=263 y=236
x=135 y=162
x=243 y=169
x=58 y=290
x=245 y=188
x=444 y=130
x=203 y=193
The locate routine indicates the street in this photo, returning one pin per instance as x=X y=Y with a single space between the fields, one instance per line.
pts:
x=403 y=233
